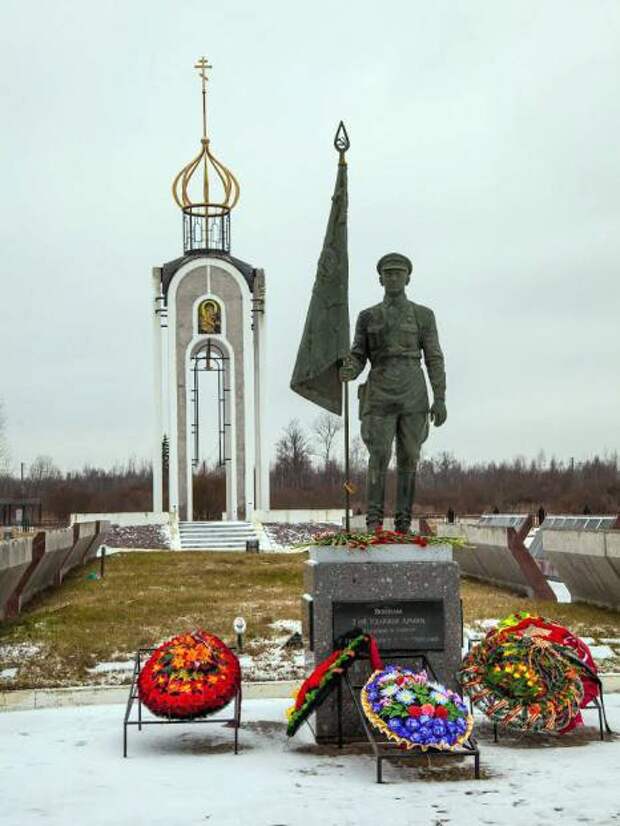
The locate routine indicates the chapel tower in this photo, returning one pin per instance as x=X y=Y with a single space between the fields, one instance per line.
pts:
x=209 y=340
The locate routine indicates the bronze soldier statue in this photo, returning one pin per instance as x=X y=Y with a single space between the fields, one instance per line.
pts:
x=393 y=402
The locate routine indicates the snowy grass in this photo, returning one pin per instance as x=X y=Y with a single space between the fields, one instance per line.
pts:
x=142 y=600
x=73 y=635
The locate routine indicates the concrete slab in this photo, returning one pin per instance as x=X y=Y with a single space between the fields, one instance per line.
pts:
x=587 y=562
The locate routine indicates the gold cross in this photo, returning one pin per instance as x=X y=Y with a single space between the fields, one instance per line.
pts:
x=202 y=65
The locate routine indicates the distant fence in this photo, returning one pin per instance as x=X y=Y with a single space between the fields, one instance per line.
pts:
x=32 y=563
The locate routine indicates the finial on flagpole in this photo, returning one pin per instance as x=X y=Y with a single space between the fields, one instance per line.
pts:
x=341 y=141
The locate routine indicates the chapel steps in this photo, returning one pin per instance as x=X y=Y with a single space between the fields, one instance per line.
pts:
x=216 y=536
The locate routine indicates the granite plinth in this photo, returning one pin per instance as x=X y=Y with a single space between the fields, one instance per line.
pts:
x=381 y=553
x=411 y=605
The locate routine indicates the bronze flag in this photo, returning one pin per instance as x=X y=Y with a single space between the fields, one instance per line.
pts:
x=325 y=340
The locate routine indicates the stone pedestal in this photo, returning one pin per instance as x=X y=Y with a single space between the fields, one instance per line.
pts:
x=405 y=595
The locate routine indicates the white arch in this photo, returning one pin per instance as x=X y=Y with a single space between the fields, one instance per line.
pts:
x=248 y=395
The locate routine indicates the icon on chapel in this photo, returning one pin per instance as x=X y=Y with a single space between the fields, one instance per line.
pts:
x=209 y=317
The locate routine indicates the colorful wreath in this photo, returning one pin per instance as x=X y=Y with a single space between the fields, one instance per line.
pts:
x=414 y=712
x=323 y=679
x=189 y=676
x=530 y=674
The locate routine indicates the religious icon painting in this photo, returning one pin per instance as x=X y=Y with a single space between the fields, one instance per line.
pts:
x=209 y=317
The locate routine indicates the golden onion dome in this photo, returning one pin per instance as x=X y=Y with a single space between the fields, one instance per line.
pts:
x=206 y=169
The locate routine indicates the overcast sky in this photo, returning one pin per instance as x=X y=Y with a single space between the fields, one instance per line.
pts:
x=484 y=146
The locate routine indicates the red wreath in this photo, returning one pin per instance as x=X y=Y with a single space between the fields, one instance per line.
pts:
x=189 y=676
x=322 y=680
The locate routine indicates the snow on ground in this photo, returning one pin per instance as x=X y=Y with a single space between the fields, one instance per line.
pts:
x=152 y=537
x=289 y=534
x=65 y=766
x=122 y=666
x=18 y=650
x=274 y=660
x=560 y=590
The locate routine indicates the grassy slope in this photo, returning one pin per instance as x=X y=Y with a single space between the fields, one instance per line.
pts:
x=147 y=597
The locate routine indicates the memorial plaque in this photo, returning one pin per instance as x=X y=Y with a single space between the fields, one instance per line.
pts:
x=397 y=625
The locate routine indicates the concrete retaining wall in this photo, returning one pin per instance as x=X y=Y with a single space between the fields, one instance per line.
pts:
x=58 y=544
x=297 y=515
x=498 y=555
x=588 y=562
x=15 y=558
x=128 y=518
x=32 y=564
x=83 y=545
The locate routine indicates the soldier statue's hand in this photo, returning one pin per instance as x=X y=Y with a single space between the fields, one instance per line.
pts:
x=347 y=371
x=438 y=412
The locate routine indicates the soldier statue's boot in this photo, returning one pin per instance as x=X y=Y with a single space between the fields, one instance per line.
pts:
x=405 y=491
x=375 y=490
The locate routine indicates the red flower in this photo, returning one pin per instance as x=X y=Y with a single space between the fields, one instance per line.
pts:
x=414 y=711
x=441 y=712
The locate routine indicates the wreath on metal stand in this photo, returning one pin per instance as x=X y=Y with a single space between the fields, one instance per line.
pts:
x=324 y=678
x=531 y=674
x=189 y=676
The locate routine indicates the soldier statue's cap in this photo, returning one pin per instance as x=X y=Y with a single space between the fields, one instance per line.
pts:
x=394 y=258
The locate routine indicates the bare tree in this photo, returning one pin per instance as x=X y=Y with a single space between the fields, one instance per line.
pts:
x=325 y=428
x=358 y=456
x=293 y=451
x=43 y=470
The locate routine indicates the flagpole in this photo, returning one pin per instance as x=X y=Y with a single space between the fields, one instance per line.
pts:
x=347 y=485
x=342 y=144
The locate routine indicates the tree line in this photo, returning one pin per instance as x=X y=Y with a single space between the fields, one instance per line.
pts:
x=307 y=472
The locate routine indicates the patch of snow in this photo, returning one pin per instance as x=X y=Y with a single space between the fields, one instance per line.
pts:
x=109 y=667
x=560 y=590
x=272 y=662
x=145 y=537
x=602 y=652
x=8 y=673
x=487 y=624
x=287 y=626
x=193 y=778
x=284 y=535
x=18 y=650
x=611 y=640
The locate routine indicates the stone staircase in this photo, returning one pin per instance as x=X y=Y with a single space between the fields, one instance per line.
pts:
x=215 y=536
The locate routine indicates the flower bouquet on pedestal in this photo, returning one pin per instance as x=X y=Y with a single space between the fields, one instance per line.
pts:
x=361 y=540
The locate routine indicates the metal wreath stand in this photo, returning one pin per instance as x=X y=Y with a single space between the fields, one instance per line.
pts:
x=384 y=749
x=137 y=719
